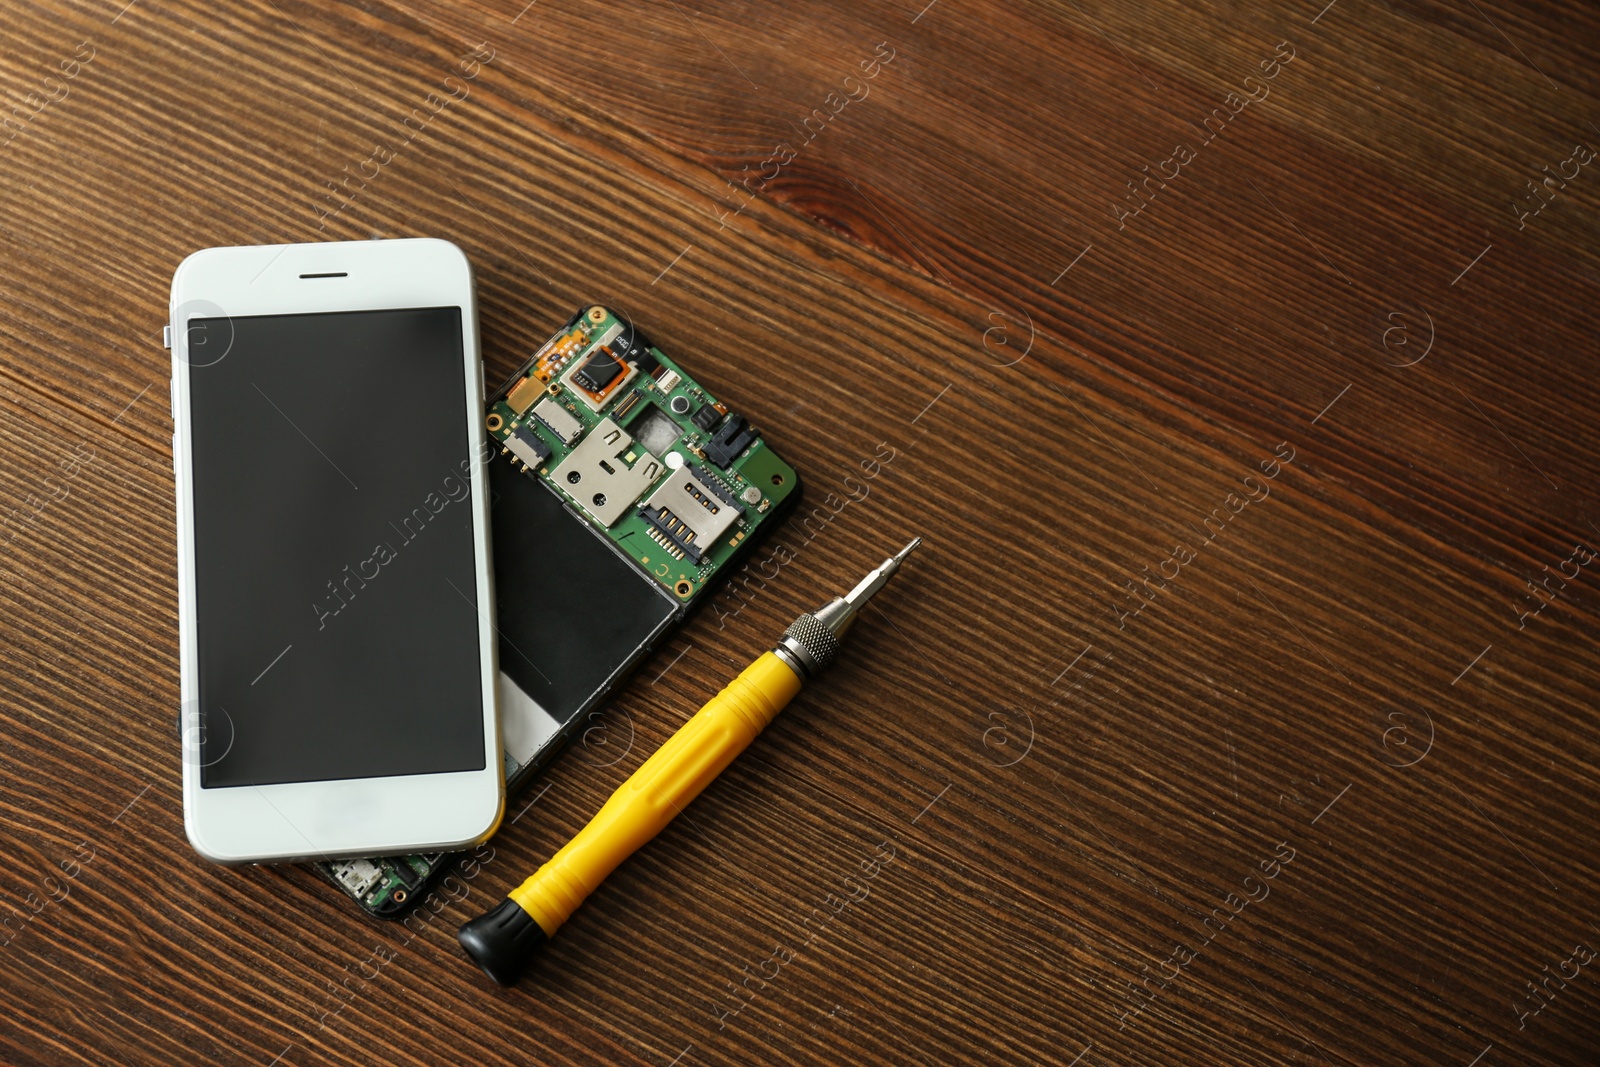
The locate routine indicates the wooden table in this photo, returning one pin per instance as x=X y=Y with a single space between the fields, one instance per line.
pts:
x=1237 y=362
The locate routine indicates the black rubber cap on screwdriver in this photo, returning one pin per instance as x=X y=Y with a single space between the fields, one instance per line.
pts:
x=503 y=941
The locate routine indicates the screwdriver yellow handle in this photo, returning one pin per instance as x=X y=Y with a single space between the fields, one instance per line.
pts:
x=658 y=790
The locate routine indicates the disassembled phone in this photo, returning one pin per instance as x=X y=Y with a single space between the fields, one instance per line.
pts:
x=621 y=489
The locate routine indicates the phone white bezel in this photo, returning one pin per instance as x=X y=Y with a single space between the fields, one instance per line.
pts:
x=360 y=817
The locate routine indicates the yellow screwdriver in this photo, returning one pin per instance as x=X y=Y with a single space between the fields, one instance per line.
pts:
x=505 y=939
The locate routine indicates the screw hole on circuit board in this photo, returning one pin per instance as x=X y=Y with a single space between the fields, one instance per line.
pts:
x=597 y=314
x=684 y=587
x=599 y=500
x=777 y=479
x=494 y=421
x=399 y=896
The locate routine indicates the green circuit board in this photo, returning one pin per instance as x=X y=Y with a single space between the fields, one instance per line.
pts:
x=383 y=885
x=639 y=449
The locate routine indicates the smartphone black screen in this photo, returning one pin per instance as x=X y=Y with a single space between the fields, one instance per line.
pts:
x=335 y=583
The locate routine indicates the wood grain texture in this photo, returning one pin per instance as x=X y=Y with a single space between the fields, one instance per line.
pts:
x=1028 y=817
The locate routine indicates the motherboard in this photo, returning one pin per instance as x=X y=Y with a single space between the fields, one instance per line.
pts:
x=613 y=440
x=640 y=449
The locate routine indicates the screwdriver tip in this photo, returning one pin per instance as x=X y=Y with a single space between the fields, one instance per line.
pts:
x=899 y=557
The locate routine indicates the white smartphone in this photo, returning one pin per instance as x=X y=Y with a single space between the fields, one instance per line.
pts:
x=337 y=646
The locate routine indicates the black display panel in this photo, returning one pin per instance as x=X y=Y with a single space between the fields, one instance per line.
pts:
x=570 y=610
x=337 y=618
